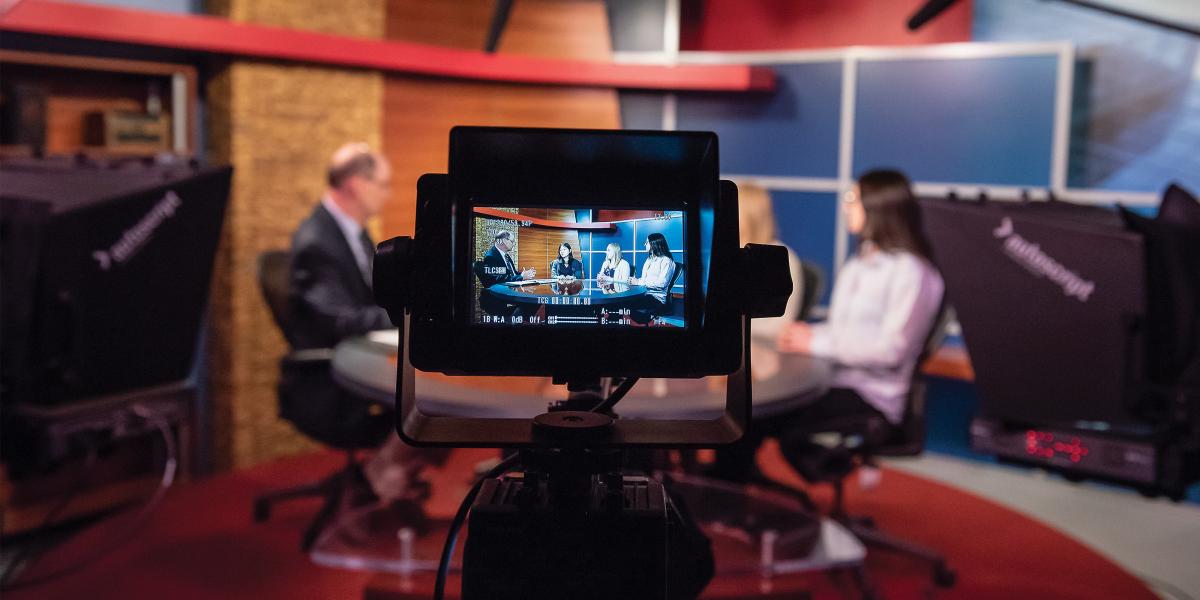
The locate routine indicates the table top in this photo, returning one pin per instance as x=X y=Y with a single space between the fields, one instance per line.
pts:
x=782 y=382
x=574 y=292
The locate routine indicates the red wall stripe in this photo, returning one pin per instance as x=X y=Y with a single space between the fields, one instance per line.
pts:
x=728 y=25
x=221 y=36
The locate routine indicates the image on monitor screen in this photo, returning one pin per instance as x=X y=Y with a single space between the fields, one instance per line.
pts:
x=571 y=267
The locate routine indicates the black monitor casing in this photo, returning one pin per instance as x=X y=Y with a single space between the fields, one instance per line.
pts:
x=584 y=169
x=425 y=282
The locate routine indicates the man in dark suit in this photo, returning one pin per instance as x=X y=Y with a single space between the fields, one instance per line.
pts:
x=332 y=253
x=330 y=293
x=497 y=266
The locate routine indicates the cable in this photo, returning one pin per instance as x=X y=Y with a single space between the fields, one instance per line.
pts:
x=616 y=395
x=81 y=482
x=460 y=517
x=167 y=480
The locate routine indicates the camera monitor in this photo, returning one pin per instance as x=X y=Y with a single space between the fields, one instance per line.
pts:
x=577 y=254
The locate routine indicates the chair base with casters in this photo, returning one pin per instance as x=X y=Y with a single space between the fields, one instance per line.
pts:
x=836 y=453
x=314 y=405
x=346 y=486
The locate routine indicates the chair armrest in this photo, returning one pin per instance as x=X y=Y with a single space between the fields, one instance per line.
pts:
x=308 y=356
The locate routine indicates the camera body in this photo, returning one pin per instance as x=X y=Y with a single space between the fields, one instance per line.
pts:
x=612 y=546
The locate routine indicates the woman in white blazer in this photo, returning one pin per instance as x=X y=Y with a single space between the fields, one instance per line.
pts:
x=614 y=269
x=884 y=302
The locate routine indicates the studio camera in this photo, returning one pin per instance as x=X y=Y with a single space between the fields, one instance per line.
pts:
x=623 y=247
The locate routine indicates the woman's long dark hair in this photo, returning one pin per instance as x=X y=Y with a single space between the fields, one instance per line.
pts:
x=566 y=261
x=658 y=245
x=893 y=217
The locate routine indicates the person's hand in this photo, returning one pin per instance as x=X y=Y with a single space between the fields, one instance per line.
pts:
x=796 y=337
x=528 y=274
x=601 y=278
x=764 y=361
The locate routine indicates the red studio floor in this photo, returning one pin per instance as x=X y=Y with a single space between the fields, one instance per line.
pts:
x=201 y=543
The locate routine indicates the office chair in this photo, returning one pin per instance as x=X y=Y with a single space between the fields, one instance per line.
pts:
x=844 y=444
x=644 y=315
x=310 y=401
x=813 y=278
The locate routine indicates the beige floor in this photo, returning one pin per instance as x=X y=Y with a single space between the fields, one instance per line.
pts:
x=1156 y=540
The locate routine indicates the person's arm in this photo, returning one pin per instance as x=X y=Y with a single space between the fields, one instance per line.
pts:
x=317 y=283
x=497 y=268
x=554 y=268
x=910 y=304
x=659 y=274
x=621 y=274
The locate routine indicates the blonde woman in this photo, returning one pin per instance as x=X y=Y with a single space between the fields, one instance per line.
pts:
x=614 y=269
x=756 y=225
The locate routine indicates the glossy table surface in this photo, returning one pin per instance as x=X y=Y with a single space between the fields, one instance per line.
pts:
x=573 y=292
x=367 y=365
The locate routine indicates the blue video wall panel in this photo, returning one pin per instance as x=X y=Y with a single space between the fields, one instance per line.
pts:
x=791 y=132
x=807 y=224
x=983 y=121
x=631 y=236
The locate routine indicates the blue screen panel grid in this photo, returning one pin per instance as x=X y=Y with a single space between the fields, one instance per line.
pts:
x=981 y=120
x=790 y=132
x=631 y=236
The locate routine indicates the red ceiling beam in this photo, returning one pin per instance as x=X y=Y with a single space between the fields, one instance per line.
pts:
x=222 y=36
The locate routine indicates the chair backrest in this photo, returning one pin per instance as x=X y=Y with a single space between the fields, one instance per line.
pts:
x=274 y=268
x=813 y=278
x=908 y=439
x=671 y=284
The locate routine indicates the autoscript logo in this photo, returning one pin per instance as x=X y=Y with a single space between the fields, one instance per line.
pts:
x=1030 y=255
x=135 y=238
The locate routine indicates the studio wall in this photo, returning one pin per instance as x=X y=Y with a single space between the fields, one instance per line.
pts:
x=419 y=111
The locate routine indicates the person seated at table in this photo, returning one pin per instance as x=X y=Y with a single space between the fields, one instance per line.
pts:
x=884 y=302
x=331 y=256
x=614 y=269
x=497 y=266
x=756 y=225
x=329 y=290
x=658 y=269
x=566 y=265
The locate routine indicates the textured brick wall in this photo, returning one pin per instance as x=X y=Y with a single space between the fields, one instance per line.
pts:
x=277 y=125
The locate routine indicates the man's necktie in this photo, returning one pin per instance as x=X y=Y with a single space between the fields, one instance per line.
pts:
x=369 y=248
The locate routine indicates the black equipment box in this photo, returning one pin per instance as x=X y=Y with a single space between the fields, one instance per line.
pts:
x=611 y=544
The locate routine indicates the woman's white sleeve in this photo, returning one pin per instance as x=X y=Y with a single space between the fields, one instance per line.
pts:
x=911 y=304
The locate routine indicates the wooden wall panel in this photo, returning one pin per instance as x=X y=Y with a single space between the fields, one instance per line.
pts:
x=538 y=246
x=419 y=112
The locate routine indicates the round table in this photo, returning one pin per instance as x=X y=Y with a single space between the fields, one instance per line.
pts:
x=574 y=292
x=782 y=382
x=578 y=301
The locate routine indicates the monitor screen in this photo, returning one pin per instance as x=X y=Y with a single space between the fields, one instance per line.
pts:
x=578 y=267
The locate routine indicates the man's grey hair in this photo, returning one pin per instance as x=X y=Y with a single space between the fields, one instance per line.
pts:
x=351 y=160
x=503 y=235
